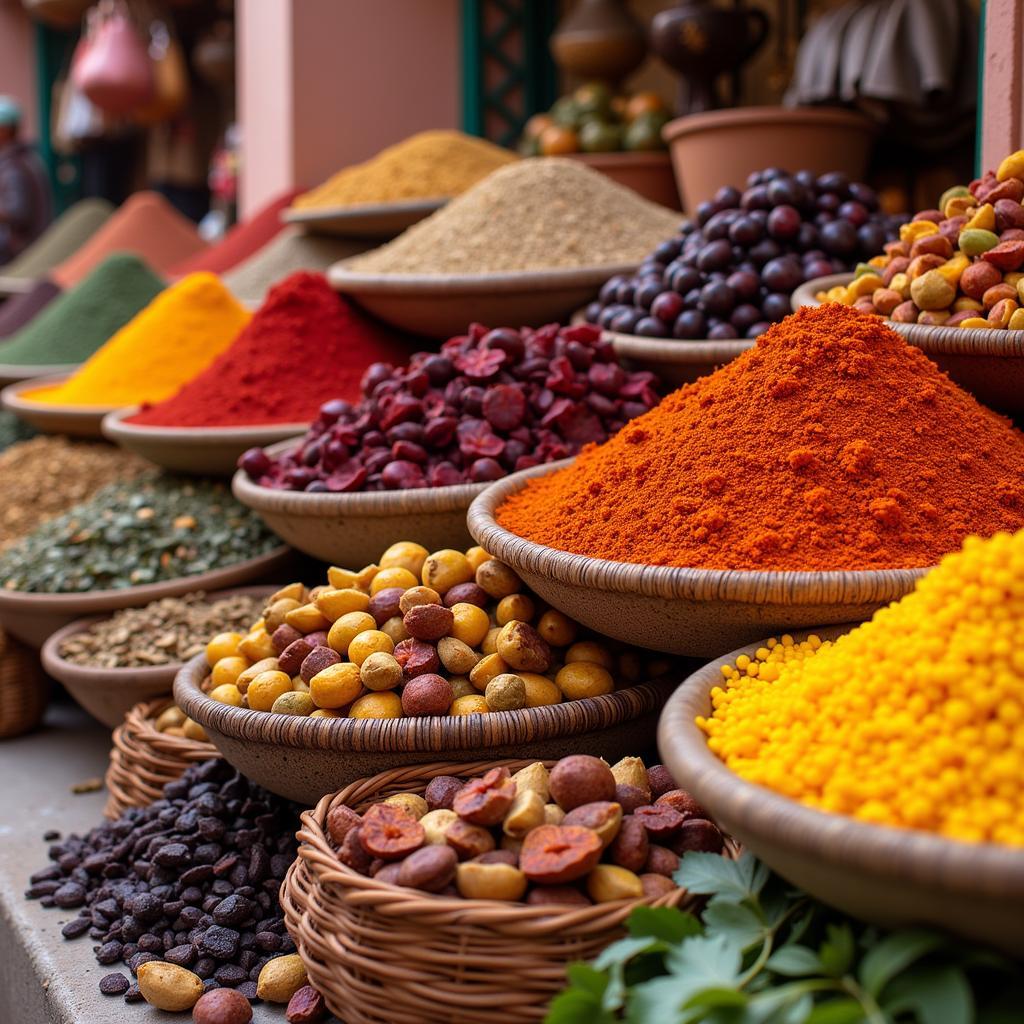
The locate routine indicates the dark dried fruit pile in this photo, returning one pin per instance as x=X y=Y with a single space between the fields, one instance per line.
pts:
x=489 y=403
x=192 y=879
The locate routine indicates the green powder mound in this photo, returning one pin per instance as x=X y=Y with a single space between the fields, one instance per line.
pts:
x=75 y=324
x=72 y=229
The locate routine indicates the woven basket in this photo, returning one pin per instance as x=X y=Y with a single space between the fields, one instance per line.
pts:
x=143 y=761
x=383 y=954
x=24 y=690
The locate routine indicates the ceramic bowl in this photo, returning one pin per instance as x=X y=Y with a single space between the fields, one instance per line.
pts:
x=696 y=612
x=304 y=758
x=376 y=221
x=73 y=420
x=12 y=373
x=649 y=174
x=11 y=285
x=887 y=875
x=352 y=529
x=987 y=363
x=34 y=617
x=443 y=305
x=109 y=693
x=207 y=451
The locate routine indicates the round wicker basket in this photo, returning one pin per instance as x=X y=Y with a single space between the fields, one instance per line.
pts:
x=24 y=691
x=143 y=761
x=383 y=954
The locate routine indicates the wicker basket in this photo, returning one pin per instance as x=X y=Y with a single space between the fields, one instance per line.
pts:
x=143 y=761
x=382 y=954
x=24 y=690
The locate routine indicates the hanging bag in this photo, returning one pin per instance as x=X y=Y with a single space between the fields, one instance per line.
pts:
x=114 y=71
x=170 y=76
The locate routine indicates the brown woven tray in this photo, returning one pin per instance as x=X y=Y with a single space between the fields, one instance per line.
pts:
x=383 y=954
x=24 y=690
x=143 y=761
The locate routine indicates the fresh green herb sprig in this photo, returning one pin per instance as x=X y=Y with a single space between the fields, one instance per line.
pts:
x=766 y=954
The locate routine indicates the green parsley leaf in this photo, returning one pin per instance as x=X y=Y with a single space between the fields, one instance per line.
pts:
x=624 y=950
x=736 y=921
x=586 y=978
x=707 y=960
x=794 y=961
x=837 y=1011
x=892 y=955
x=709 y=874
x=837 y=951
x=936 y=995
x=575 y=1006
x=665 y=923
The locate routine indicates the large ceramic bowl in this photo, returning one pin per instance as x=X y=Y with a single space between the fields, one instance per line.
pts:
x=441 y=305
x=34 y=617
x=352 y=529
x=987 y=363
x=208 y=451
x=13 y=373
x=373 y=221
x=73 y=420
x=109 y=693
x=649 y=174
x=304 y=758
x=887 y=875
x=697 y=612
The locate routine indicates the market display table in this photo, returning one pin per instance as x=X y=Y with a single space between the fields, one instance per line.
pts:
x=45 y=979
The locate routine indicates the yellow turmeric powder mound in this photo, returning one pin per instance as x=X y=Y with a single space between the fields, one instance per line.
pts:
x=428 y=165
x=171 y=340
x=915 y=719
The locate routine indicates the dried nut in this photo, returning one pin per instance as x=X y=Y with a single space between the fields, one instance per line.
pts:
x=416 y=658
x=441 y=790
x=932 y=291
x=514 y=607
x=417 y=597
x=975 y=241
x=497 y=579
x=430 y=869
x=412 y=803
x=553 y=814
x=388 y=872
x=456 y=656
x=533 y=776
x=307 y=619
x=467 y=593
x=170 y=718
x=556 y=854
x=291 y=658
x=660 y=780
x=468 y=840
x=557 y=895
x=631 y=771
x=380 y=671
x=603 y=816
x=526 y=812
x=510 y=844
x=521 y=647
x=283 y=636
x=281 y=978
x=395 y=628
x=292 y=703
x=557 y=629
x=276 y=612
x=436 y=824
x=307 y=1006
x=656 y=886
x=886 y=300
x=353 y=854
x=506 y=692
x=662 y=861
x=630 y=798
x=316 y=661
x=1006 y=255
x=426 y=694
x=390 y=832
x=385 y=604
x=168 y=986
x=489 y=644
x=486 y=801
x=473 y=704
x=445 y=569
x=293 y=592
x=332 y=604
x=428 y=621
x=254 y=670
x=608 y=882
x=476 y=881
x=999 y=315
x=698 y=834
x=486 y=669
x=905 y=313
x=405 y=554
x=631 y=847
x=462 y=687
x=222 y=1006
x=340 y=821
x=498 y=857
x=581 y=779
x=660 y=820
x=685 y=804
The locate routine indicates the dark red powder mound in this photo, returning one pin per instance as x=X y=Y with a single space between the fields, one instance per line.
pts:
x=304 y=346
x=18 y=310
x=240 y=242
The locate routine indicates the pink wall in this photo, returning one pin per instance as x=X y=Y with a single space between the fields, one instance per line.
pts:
x=17 y=60
x=326 y=83
x=1002 y=110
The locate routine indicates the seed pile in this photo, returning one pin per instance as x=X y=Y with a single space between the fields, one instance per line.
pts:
x=128 y=534
x=191 y=880
x=162 y=632
x=913 y=719
x=428 y=165
x=535 y=214
x=45 y=476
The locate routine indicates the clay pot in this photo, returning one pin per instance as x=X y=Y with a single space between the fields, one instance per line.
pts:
x=599 y=39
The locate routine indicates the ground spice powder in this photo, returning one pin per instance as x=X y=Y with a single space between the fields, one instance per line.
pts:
x=830 y=445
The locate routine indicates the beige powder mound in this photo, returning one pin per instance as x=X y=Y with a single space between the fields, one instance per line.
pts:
x=537 y=214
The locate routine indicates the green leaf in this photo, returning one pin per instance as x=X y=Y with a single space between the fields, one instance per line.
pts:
x=665 y=923
x=785 y=1004
x=936 y=995
x=712 y=997
x=584 y=977
x=624 y=950
x=736 y=921
x=574 y=1006
x=706 y=961
x=661 y=1000
x=836 y=952
x=794 y=961
x=837 y=1011
x=894 y=954
x=709 y=874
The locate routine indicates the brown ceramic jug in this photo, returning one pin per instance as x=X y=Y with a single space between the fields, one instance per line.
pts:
x=599 y=39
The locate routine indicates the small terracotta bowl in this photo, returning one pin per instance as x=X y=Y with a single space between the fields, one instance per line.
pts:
x=352 y=529
x=697 y=612
x=304 y=758
x=109 y=693
x=886 y=875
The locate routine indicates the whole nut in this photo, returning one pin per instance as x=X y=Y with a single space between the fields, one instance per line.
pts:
x=468 y=840
x=486 y=669
x=661 y=861
x=222 y=1006
x=553 y=814
x=380 y=671
x=412 y=803
x=506 y=692
x=497 y=579
x=340 y=821
x=683 y=802
x=426 y=694
x=441 y=790
x=255 y=669
x=307 y=1006
x=457 y=657
x=275 y=613
x=291 y=658
x=316 y=661
x=436 y=824
x=523 y=648
x=353 y=854
x=656 y=886
x=603 y=816
x=631 y=847
x=526 y=812
x=533 y=776
x=581 y=779
x=698 y=834
x=630 y=771
x=416 y=597
x=608 y=882
x=429 y=869
x=281 y=978
x=388 y=872
x=660 y=780
x=428 y=621
x=630 y=798
x=168 y=986
x=476 y=881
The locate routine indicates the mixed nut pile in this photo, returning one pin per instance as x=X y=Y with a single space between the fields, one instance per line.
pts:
x=579 y=834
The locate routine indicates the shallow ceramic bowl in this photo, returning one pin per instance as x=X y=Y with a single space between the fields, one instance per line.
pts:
x=10 y=285
x=987 y=363
x=304 y=758
x=33 y=617
x=376 y=221
x=673 y=362
x=443 y=305
x=12 y=373
x=207 y=451
x=697 y=612
x=352 y=529
x=886 y=875
x=109 y=693
x=73 y=420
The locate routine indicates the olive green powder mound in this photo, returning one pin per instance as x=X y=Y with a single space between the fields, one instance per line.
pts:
x=65 y=236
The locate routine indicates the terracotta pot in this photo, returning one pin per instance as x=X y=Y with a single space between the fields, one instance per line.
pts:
x=599 y=39
x=722 y=147
x=649 y=174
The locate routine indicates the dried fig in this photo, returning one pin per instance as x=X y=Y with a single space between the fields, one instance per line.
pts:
x=353 y=854
x=581 y=779
x=486 y=801
x=661 y=861
x=660 y=820
x=440 y=791
x=468 y=840
x=685 y=804
x=431 y=868
x=603 y=816
x=631 y=847
x=556 y=854
x=389 y=832
x=698 y=834
x=340 y=820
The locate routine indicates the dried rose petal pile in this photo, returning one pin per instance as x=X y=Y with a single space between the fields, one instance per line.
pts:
x=489 y=403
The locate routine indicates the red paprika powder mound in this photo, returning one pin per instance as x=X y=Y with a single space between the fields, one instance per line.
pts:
x=830 y=445
x=303 y=346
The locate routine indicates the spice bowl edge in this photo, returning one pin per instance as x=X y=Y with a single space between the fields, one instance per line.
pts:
x=73 y=420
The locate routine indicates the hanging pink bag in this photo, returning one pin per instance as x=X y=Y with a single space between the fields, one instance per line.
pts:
x=114 y=70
